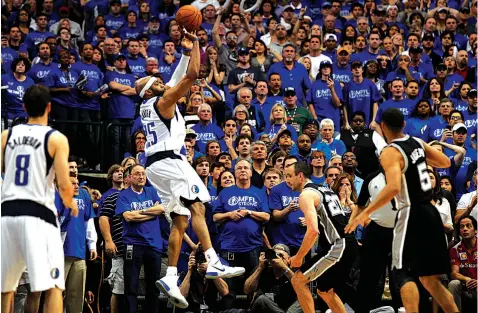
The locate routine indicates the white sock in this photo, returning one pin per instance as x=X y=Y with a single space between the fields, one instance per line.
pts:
x=172 y=271
x=211 y=256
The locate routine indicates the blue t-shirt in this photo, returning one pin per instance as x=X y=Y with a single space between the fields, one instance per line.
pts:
x=40 y=73
x=417 y=127
x=146 y=233
x=289 y=231
x=95 y=81
x=75 y=227
x=436 y=126
x=245 y=234
x=405 y=106
x=114 y=22
x=460 y=177
x=119 y=105
x=16 y=91
x=137 y=65
x=60 y=79
x=361 y=97
x=318 y=180
x=166 y=69
x=206 y=133
x=297 y=77
x=33 y=39
x=320 y=96
x=343 y=75
x=337 y=147
x=8 y=55
x=127 y=32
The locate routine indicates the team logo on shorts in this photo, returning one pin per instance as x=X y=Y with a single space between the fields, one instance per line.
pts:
x=55 y=273
x=195 y=188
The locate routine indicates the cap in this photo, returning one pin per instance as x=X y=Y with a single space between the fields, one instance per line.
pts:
x=428 y=36
x=442 y=10
x=459 y=126
x=326 y=5
x=415 y=50
x=380 y=10
x=330 y=37
x=191 y=132
x=119 y=56
x=472 y=93
x=154 y=18
x=325 y=64
x=342 y=49
x=115 y=2
x=442 y=66
x=243 y=50
x=64 y=8
x=284 y=132
x=310 y=122
x=289 y=90
x=143 y=36
x=288 y=7
x=356 y=63
x=465 y=10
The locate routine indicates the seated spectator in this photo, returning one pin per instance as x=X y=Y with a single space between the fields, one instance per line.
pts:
x=467 y=205
x=259 y=165
x=331 y=174
x=271 y=283
x=303 y=148
x=284 y=141
x=337 y=146
x=463 y=266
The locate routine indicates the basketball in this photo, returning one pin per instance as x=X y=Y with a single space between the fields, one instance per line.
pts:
x=189 y=17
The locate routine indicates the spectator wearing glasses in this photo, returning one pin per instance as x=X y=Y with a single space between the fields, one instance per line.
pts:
x=296 y=115
x=349 y=163
x=362 y=95
x=325 y=97
x=331 y=174
x=254 y=114
x=317 y=164
x=292 y=73
x=241 y=210
x=438 y=129
x=336 y=146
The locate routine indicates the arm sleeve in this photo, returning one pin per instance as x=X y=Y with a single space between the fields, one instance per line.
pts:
x=275 y=202
x=91 y=236
x=179 y=72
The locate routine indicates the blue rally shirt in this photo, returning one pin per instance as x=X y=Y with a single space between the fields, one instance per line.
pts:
x=245 y=234
x=15 y=91
x=289 y=231
x=320 y=96
x=119 y=105
x=146 y=233
x=361 y=97
x=406 y=106
x=75 y=227
x=205 y=133
x=95 y=80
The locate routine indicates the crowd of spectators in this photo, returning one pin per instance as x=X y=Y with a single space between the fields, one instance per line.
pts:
x=280 y=82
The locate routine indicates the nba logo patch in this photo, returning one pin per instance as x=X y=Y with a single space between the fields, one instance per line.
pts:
x=195 y=188
x=55 y=273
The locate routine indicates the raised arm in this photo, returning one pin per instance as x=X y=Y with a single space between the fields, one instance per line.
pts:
x=435 y=158
x=215 y=31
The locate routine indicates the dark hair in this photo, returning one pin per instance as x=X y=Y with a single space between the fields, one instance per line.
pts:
x=36 y=99
x=471 y=218
x=113 y=169
x=393 y=119
x=412 y=81
x=133 y=141
x=359 y=113
x=215 y=165
x=302 y=167
x=219 y=186
x=336 y=185
x=72 y=158
x=199 y=160
x=415 y=109
x=42 y=14
x=427 y=93
x=446 y=32
x=128 y=170
x=25 y=61
x=243 y=136
x=459 y=112
x=290 y=157
x=277 y=155
x=274 y=73
x=437 y=192
x=453 y=190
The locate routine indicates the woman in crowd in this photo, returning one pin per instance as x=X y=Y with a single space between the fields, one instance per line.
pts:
x=419 y=118
x=461 y=101
x=194 y=101
x=318 y=164
x=345 y=189
x=23 y=21
x=226 y=180
x=305 y=61
x=263 y=59
x=216 y=70
x=278 y=123
x=372 y=72
x=434 y=92
x=447 y=184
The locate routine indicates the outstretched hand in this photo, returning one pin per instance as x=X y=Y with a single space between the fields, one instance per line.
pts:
x=188 y=39
x=354 y=223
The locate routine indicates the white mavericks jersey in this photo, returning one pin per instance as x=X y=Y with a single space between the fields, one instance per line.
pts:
x=161 y=134
x=29 y=171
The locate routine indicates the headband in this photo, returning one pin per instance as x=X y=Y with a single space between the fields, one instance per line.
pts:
x=147 y=86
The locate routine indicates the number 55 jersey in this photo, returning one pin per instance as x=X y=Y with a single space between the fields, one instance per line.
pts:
x=29 y=171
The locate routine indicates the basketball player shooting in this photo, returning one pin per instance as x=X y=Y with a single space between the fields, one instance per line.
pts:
x=32 y=154
x=419 y=246
x=180 y=188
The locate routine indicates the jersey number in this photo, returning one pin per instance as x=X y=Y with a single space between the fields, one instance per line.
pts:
x=151 y=134
x=425 y=182
x=334 y=205
x=21 y=174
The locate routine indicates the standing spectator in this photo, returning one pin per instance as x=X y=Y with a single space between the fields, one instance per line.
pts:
x=337 y=146
x=341 y=71
x=40 y=71
x=244 y=75
x=315 y=55
x=76 y=233
x=114 y=20
x=292 y=73
x=259 y=166
x=18 y=83
x=34 y=38
x=296 y=114
x=264 y=102
x=130 y=29
x=317 y=164
x=111 y=226
x=324 y=98
x=275 y=84
x=8 y=54
x=114 y=177
x=463 y=265
x=467 y=205
x=241 y=210
x=254 y=114
x=205 y=129
x=136 y=60
x=140 y=208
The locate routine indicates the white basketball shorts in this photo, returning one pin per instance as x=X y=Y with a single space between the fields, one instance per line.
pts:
x=30 y=243
x=175 y=179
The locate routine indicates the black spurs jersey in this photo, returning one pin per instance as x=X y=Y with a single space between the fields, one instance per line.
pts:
x=332 y=218
x=416 y=185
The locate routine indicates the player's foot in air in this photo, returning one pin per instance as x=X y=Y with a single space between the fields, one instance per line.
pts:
x=218 y=270
x=169 y=286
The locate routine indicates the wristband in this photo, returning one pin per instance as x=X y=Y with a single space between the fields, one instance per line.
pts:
x=195 y=39
x=187 y=50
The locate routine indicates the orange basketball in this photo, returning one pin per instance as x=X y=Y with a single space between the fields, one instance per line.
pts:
x=189 y=17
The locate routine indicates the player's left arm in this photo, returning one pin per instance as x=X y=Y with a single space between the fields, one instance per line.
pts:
x=167 y=103
x=307 y=201
x=435 y=158
x=4 y=145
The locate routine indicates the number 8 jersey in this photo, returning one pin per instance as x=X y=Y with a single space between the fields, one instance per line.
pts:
x=29 y=171
x=416 y=185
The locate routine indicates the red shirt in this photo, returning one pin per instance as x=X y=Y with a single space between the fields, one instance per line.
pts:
x=466 y=261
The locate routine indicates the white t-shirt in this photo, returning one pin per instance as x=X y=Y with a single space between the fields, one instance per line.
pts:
x=465 y=201
x=315 y=66
x=445 y=211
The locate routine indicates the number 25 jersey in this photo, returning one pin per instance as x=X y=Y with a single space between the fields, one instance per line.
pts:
x=416 y=186
x=29 y=171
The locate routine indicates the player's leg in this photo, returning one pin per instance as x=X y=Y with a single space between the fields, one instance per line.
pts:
x=32 y=302
x=7 y=301
x=333 y=301
x=198 y=221
x=53 y=301
x=410 y=297
x=301 y=288
x=441 y=294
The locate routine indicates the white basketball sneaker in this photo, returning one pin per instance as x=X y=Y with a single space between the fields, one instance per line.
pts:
x=219 y=270
x=169 y=286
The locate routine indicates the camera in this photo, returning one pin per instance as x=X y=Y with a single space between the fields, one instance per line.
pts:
x=271 y=255
x=200 y=256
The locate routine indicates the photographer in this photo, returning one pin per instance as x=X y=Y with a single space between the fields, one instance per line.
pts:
x=271 y=280
x=202 y=294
